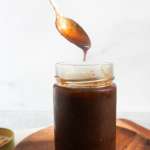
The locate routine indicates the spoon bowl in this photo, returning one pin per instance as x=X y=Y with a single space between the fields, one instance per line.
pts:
x=73 y=32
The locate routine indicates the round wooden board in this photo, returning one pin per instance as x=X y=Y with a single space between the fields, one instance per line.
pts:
x=130 y=136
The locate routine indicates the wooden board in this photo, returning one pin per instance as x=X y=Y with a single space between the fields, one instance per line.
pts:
x=130 y=136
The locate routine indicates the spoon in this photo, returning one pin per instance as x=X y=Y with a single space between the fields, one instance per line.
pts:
x=72 y=31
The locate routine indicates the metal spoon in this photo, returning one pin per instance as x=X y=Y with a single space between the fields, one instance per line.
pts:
x=72 y=31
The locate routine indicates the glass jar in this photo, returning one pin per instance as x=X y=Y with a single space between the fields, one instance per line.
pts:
x=84 y=107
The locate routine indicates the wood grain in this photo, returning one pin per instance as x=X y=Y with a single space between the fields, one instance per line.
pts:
x=130 y=136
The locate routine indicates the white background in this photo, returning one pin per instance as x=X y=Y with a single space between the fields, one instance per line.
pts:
x=30 y=46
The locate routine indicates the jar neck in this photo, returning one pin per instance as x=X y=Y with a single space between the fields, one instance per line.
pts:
x=93 y=83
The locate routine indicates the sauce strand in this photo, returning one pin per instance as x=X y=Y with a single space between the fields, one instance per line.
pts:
x=84 y=54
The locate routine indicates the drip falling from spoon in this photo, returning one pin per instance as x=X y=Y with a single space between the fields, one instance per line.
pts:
x=72 y=31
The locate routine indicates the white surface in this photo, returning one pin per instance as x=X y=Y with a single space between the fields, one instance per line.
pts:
x=22 y=120
x=30 y=46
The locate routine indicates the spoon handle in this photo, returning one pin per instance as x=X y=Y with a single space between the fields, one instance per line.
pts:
x=57 y=13
x=124 y=123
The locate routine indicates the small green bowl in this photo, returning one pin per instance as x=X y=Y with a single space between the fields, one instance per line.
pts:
x=6 y=139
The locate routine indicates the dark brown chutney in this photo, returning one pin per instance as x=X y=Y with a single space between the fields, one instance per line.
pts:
x=85 y=118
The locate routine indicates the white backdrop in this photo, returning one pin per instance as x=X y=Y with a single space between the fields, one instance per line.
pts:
x=30 y=46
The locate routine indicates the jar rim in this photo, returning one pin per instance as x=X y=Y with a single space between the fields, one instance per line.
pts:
x=83 y=64
x=84 y=71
